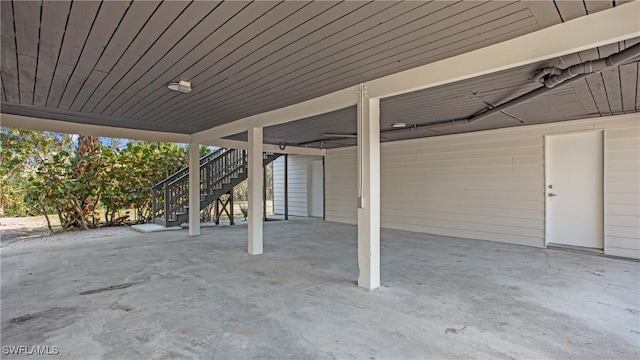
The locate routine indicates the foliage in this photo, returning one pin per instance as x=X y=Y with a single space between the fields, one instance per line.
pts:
x=43 y=173
x=21 y=152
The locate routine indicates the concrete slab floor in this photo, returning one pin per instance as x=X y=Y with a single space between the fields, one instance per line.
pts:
x=166 y=295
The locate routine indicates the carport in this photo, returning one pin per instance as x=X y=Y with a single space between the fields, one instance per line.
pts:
x=454 y=119
x=312 y=77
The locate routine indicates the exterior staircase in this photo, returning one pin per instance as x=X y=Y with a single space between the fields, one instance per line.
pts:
x=220 y=172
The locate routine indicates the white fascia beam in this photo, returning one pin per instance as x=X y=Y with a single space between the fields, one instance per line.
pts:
x=586 y=32
x=323 y=104
x=194 y=189
x=32 y=123
x=291 y=150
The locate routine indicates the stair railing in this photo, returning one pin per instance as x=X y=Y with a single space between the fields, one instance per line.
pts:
x=215 y=172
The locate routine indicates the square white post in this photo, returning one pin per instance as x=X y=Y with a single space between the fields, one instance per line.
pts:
x=254 y=190
x=194 y=189
x=368 y=190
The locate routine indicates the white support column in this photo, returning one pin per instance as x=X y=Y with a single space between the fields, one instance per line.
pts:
x=254 y=190
x=368 y=190
x=194 y=189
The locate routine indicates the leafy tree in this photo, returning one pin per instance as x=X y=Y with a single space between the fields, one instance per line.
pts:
x=43 y=173
x=21 y=151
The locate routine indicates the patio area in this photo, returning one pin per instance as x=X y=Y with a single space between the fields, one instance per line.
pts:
x=167 y=295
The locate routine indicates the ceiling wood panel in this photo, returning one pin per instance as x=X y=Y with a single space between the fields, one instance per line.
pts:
x=182 y=25
x=360 y=68
x=329 y=63
x=586 y=97
x=298 y=27
x=155 y=88
x=8 y=56
x=105 y=25
x=596 y=85
x=4 y=96
x=176 y=53
x=161 y=19
x=570 y=10
x=392 y=67
x=629 y=86
x=403 y=46
x=53 y=23
x=611 y=79
x=27 y=40
x=108 y=63
x=81 y=18
x=545 y=12
x=271 y=24
x=357 y=11
x=133 y=21
x=206 y=52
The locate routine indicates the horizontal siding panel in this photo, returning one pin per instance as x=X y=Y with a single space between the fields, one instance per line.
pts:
x=623 y=243
x=629 y=210
x=527 y=160
x=506 y=230
x=496 y=237
x=623 y=155
x=623 y=177
x=495 y=204
x=522 y=187
x=630 y=122
x=626 y=253
x=525 y=150
x=622 y=199
x=623 y=220
x=399 y=226
x=623 y=231
x=508 y=213
x=479 y=219
x=623 y=133
x=498 y=195
x=630 y=165
x=622 y=144
x=623 y=188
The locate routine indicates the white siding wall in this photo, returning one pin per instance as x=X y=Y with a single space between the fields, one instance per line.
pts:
x=298 y=205
x=489 y=185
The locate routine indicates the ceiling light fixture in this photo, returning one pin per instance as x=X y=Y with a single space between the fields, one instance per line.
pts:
x=399 y=125
x=181 y=86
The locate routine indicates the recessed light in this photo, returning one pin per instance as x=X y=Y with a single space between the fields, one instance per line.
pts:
x=399 y=125
x=181 y=86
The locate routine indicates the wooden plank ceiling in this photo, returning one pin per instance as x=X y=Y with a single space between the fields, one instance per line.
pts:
x=109 y=63
x=611 y=92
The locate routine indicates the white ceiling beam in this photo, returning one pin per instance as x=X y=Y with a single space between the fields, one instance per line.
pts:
x=291 y=150
x=586 y=32
x=33 y=123
x=323 y=104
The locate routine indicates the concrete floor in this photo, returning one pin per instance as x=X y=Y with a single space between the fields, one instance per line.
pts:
x=165 y=295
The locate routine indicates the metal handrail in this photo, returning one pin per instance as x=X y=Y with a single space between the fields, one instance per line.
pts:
x=203 y=160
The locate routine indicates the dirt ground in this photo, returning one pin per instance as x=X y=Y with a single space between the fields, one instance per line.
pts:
x=14 y=229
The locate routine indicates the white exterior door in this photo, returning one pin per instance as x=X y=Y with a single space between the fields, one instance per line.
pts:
x=574 y=189
x=315 y=189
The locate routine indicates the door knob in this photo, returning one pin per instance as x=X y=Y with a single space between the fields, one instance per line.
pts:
x=551 y=195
